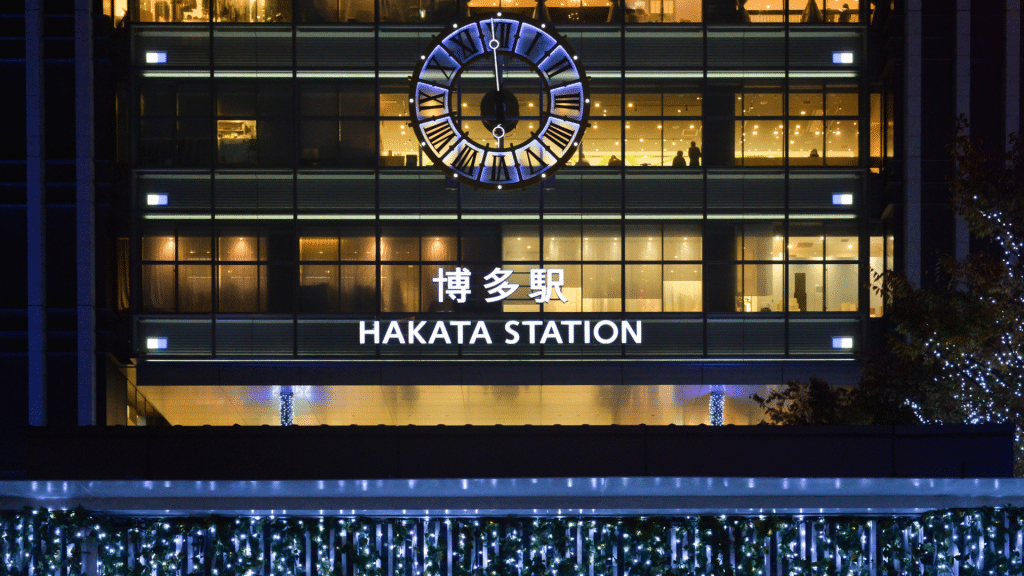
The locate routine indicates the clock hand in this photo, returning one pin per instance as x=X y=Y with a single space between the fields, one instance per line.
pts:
x=493 y=45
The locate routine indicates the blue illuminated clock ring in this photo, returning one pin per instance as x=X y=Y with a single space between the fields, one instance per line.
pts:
x=493 y=45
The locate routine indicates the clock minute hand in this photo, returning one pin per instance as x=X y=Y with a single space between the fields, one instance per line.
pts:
x=493 y=45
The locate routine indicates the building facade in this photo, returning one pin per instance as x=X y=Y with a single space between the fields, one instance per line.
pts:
x=284 y=213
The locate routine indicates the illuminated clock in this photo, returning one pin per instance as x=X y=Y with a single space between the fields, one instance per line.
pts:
x=499 y=102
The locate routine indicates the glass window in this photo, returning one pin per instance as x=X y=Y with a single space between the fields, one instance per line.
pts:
x=764 y=102
x=194 y=288
x=806 y=142
x=842 y=241
x=319 y=288
x=520 y=300
x=760 y=288
x=400 y=243
x=158 y=247
x=602 y=288
x=166 y=10
x=601 y=242
x=683 y=242
x=400 y=288
x=519 y=243
x=806 y=241
x=323 y=11
x=158 y=288
x=841 y=283
x=842 y=145
x=438 y=244
x=762 y=240
x=643 y=242
x=644 y=143
x=644 y=288
x=562 y=242
x=759 y=142
x=252 y=10
x=318 y=248
x=602 y=144
x=682 y=288
x=876 y=266
x=806 y=284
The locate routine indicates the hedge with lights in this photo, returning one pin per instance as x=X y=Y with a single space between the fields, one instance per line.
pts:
x=963 y=542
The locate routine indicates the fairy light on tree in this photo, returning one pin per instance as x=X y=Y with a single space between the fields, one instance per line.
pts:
x=963 y=361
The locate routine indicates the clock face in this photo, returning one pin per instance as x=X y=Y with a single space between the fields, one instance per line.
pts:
x=499 y=102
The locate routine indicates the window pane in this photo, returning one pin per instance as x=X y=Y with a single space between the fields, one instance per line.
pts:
x=321 y=11
x=318 y=288
x=805 y=143
x=683 y=143
x=194 y=283
x=760 y=142
x=761 y=288
x=643 y=242
x=358 y=284
x=520 y=243
x=400 y=288
x=194 y=248
x=252 y=10
x=601 y=243
x=318 y=248
x=683 y=288
x=158 y=288
x=562 y=242
x=643 y=288
x=761 y=103
x=602 y=288
x=876 y=267
x=806 y=241
x=842 y=143
x=683 y=242
x=241 y=288
x=805 y=284
x=602 y=142
x=438 y=244
x=400 y=244
x=240 y=248
x=762 y=241
x=158 y=248
x=644 y=143
x=841 y=280
x=842 y=242
x=839 y=103
x=357 y=244
x=806 y=103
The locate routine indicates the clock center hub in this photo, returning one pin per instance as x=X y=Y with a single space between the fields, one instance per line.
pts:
x=500 y=108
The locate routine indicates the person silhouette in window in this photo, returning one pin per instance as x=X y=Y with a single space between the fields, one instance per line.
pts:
x=678 y=160
x=695 y=155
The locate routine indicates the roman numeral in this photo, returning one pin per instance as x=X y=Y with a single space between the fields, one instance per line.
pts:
x=465 y=41
x=562 y=65
x=536 y=38
x=502 y=32
x=559 y=135
x=428 y=102
x=531 y=155
x=566 y=101
x=439 y=135
x=446 y=70
x=499 y=168
x=465 y=160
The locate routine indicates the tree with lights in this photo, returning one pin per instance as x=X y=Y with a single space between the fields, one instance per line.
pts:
x=961 y=358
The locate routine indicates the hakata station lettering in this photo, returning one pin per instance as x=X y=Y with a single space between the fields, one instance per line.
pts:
x=515 y=332
x=544 y=283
